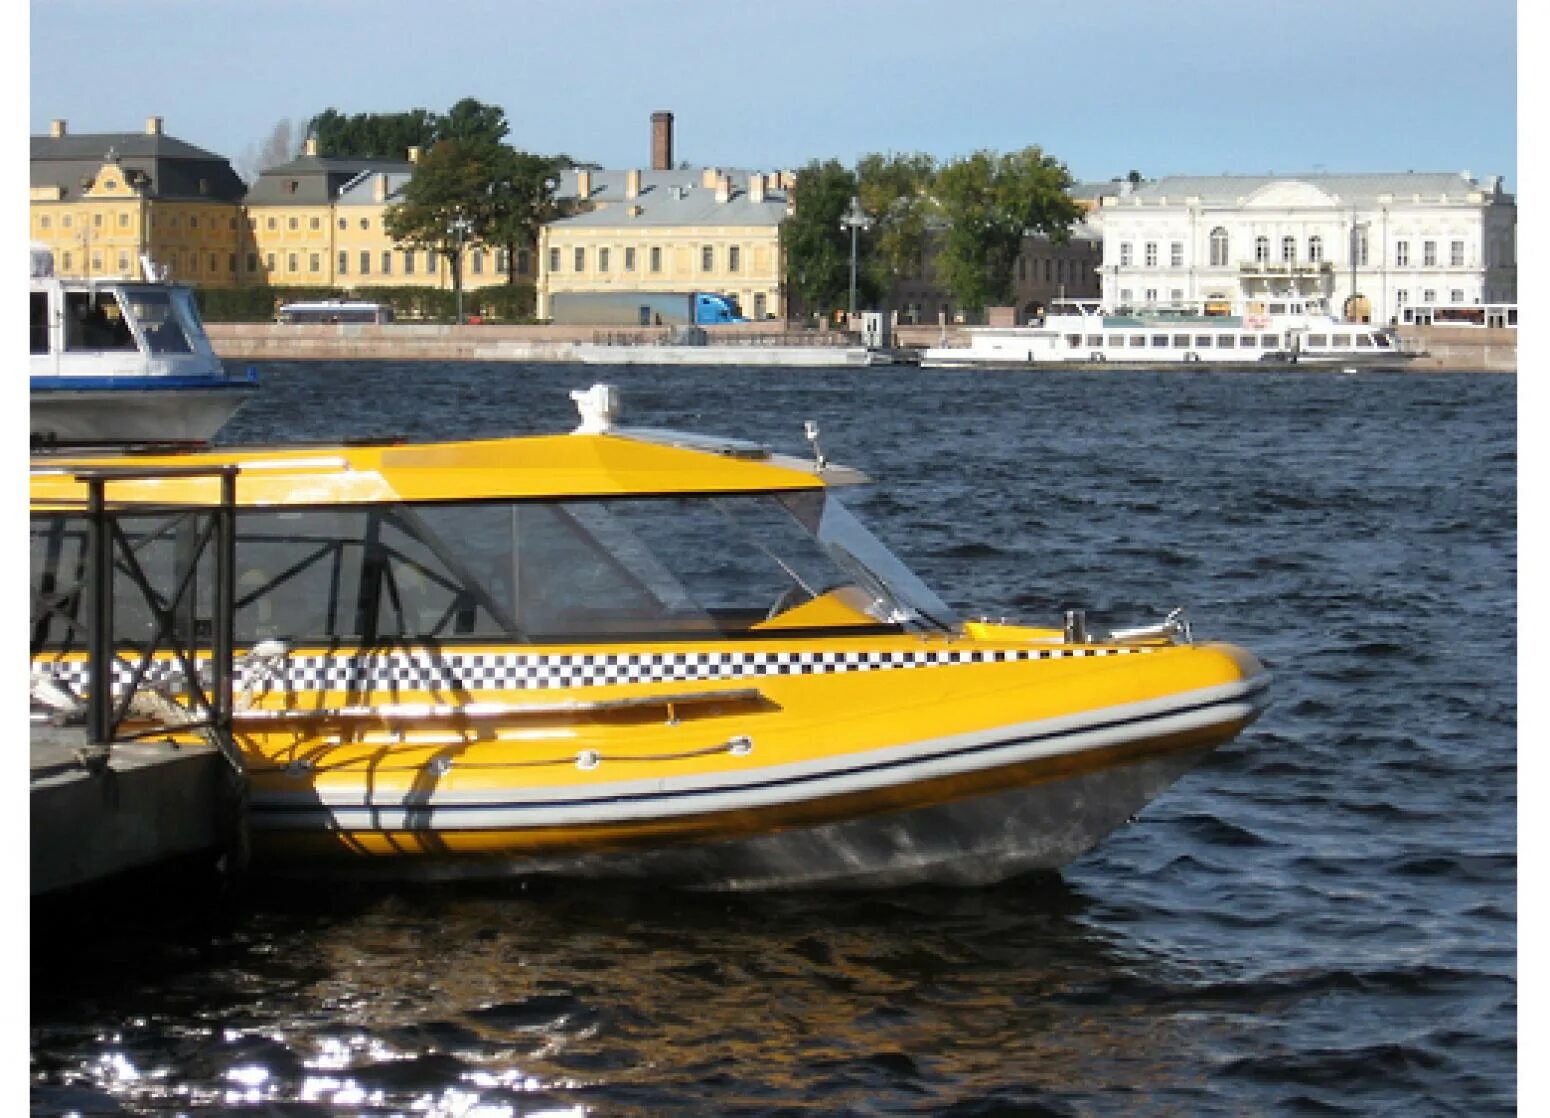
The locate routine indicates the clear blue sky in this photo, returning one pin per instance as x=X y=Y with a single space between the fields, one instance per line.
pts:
x=1200 y=88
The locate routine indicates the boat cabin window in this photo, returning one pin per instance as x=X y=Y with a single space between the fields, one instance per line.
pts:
x=513 y=571
x=1341 y=341
x=1138 y=341
x=38 y=308
x=1159 y=341
x=95 y=321
x=163 y=315
x=1317 y=341
x=1364 y=341
x=1224 y=341
x=1202 y=341
x=1269 y=341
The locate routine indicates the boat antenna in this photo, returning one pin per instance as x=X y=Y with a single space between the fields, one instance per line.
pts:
x=810 y=429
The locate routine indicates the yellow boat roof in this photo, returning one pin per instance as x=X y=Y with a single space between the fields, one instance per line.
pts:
x=613 y=464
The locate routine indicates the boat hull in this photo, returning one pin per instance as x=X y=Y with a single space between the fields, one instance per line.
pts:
x=157 y=414
x=959 y=809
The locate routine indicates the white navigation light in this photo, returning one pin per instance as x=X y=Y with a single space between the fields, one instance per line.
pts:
x=599 y=407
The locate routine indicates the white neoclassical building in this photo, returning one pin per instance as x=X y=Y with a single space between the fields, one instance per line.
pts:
x=1367 y=244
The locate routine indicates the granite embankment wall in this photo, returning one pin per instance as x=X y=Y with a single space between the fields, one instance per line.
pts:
x=1446 y=347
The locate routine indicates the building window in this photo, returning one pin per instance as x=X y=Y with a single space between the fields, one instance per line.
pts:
x=1124 y=254
x=1401 y=297
x=365 y=262
x=343 y=224
x=1428 y=296
x=252 y=262
x=759 y=304
x=269 y=262
x=579 y=259
x=1151 y=254
x=1315 y=249
x=602 y=260
x=1402 y=253
x=1261 y=250
x=123 y=222
x=656 y=258
x=554 y=260
x=44 y=221
x=1361 y=247
x=1429 y=253
x=387 y=262
x=1176 y=254
x=344 y=263
x=735 y=258
x=1456 y=295
x=502 y=262
x=707 y=258
x=431 y=264
x=65 y=266
x=315 y=223
x=1124 y=296
x=1176 y=295
x=96 y=220
x=123 y=262
x=1288 y=249
x=314 y=263
x=1456 y=254
x=476 y=261
x=293 y=223
x=269 y=223
x=408 y=263
x=1151 y=296
x=290 y=264
x=365 y=223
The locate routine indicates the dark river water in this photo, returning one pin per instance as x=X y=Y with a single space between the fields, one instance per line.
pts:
x=1320 y=919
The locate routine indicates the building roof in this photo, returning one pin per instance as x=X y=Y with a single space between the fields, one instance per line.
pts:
x=671 y=198
x=316 y=180
x=1355 y=188
x=171 y=168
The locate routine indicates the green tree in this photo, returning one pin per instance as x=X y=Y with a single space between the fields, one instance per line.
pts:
x=897 y=191
x=989 y=203
x=391 y=135
x=522 y=200
x=817 y=249
x=448 y=203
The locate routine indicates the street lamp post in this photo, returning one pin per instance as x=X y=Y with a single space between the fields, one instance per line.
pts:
x=459 y=227
x=855 y=219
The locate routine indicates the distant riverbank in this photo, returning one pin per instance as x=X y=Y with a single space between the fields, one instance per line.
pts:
x=1457 y=348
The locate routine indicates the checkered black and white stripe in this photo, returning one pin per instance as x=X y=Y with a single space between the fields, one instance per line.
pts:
x=518 y=671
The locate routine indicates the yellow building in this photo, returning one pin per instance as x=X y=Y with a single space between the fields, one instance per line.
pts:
x=101 y=201
x=690 y=230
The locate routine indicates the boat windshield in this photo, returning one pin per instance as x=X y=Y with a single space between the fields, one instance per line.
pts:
x=167 y=318
x=524 y=571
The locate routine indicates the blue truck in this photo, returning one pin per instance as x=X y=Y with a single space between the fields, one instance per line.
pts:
x=642 y=308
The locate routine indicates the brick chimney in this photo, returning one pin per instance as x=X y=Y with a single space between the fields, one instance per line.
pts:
x=662 y=141
x=56 y=128
x=632 y=183
x=583 y=185
x=153 y=126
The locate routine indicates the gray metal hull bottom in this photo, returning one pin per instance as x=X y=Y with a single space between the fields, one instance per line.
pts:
x=971 y=842
x=116 y=415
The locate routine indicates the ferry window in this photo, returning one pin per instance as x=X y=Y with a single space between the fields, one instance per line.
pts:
x=1269 y=341
x=1248 y=341
x=1341 y=341
x=1224 y=341
x=1218 y=247
x=1277 y=308
x=1159 y=341
x=1116 y=341
x=1094 y=341
x=1074 y=341
x=1181 y=341
x=1138 y=341
x=1364 y=341
x=1317 y=341
x=154 y=313
x=95 y=322
x=1202 y=341
x=38 y=308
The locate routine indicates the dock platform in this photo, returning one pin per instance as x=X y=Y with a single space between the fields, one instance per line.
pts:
x=149 y=803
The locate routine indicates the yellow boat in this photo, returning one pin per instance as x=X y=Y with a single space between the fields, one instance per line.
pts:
x=618 y=653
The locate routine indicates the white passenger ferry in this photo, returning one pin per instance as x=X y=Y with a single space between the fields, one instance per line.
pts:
x=1269 y=333
x=116 y=360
